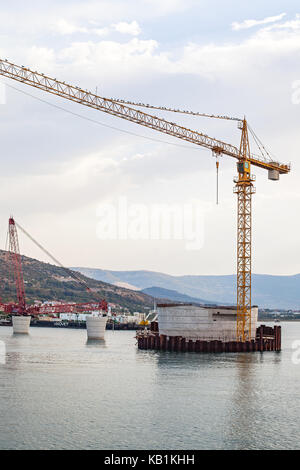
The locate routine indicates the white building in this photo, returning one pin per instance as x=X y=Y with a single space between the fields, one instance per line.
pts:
x=77 y=316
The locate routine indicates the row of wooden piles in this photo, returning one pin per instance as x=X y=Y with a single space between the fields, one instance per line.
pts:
x=267 y=339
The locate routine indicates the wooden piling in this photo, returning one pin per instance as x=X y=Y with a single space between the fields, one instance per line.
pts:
x=267 y=339
x=261 y=339
x=279 y=338
x=162 y=342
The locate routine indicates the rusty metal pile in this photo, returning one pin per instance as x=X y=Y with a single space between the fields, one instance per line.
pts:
x=267 y=339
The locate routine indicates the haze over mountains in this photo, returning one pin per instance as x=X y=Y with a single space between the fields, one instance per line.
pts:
x=161 y=293
x=267 y=291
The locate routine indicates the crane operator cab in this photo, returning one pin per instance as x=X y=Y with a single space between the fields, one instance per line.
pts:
x=243 y=167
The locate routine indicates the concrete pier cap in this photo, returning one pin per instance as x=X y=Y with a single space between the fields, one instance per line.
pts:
x=21 y=324
x=96 y=326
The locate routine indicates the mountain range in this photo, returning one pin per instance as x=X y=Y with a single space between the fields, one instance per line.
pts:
x=135 y=290
x=268 y=291
x=168 y=294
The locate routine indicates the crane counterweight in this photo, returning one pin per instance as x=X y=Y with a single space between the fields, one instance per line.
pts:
x=273 y=175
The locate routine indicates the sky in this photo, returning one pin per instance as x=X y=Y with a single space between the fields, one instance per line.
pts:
x=86 y=185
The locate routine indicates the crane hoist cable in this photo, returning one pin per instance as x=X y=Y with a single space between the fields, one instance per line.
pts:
x=95 y=121
x=68 y=271
x=180 y=111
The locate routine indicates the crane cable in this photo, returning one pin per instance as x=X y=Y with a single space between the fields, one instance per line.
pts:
x=7 y=256
x=67 y=270
x=81 y=116
x=258 y=142
x=173 y=110
x=217 y=168
x=134 y=133
x=260 y=145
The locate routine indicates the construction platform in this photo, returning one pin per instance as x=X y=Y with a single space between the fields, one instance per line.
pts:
x=267 y=339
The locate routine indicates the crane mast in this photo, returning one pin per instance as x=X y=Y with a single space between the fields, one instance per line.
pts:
x=244 y=187
x=16 y=261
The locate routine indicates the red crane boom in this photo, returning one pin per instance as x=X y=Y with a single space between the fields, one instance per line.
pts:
x=20 y=307
x=15 y=258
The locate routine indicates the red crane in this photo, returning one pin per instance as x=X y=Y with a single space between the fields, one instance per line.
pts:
x=16 y=262
x=56 y=308
x=20 y=308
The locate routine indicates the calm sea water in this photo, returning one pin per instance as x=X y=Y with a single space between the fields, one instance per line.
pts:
x=58 y=391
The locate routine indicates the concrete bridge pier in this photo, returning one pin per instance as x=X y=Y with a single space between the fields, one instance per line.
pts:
x=21 y=324
x=95 y=327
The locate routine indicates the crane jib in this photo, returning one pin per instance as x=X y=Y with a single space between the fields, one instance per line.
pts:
x=117 y=108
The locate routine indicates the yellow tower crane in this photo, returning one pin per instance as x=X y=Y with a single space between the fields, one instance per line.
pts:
x=244 y=187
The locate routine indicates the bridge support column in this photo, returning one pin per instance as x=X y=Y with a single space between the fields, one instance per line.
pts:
x=95 y=327
x=21 y=324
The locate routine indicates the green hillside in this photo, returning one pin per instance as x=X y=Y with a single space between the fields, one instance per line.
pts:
x=44 y=281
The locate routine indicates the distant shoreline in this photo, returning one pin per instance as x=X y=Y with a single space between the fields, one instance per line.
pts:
x=281 y=321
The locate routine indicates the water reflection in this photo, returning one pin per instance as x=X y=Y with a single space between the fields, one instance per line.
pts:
x=242 y=413
x=96 y=343
x=228 y=394
x=254 y=388
x=2 y=352
x=161 y=400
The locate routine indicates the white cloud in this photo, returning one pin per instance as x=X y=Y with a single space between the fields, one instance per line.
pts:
x=101 y=31
x=128 y=28
x=291 y=25
x=44 y=57
x=64 y=27
x=118 y=10
x=66 y=18
x=246 y=24
x=166 y=7
x=113 y=58
x=262 y=50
